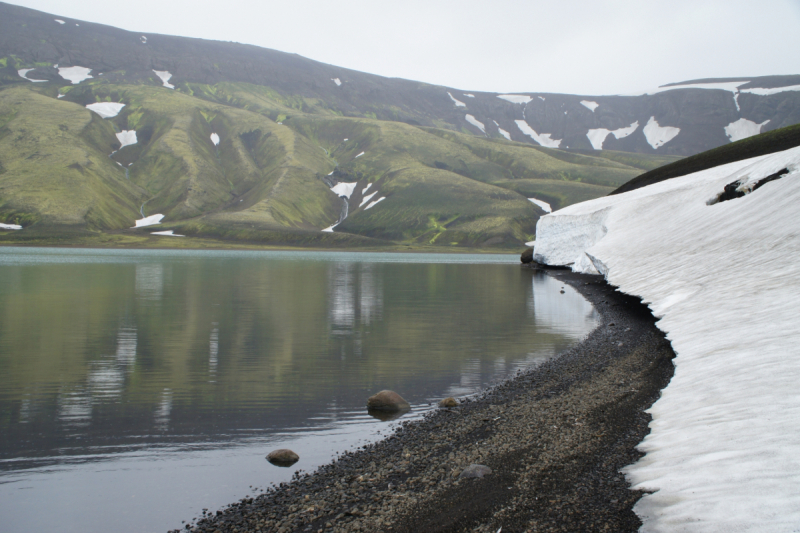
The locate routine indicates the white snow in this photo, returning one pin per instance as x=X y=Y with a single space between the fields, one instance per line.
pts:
x=367 y=198
x=475 y=122
x=10 y=226
x=338 y=82
x=591 y=106
x=659 y=135
x=516 y=98
x=143 y=39
x=365 y=189
x=127 y=138
x=469 y=95
x=458 y=103
x=359 y=155
x=165 y=76
x=541 y=203
x=541 y=98
x=345 y=140
x=59 y=21
x=75 y=74
x=329 y=229
x=503 y=132
x=775 y=90
x=168 y=233
x=530 y=243
x=23 y=73
x=215 y=139
x=152 y=220
x=543 y=139
x=106 y=109
x=376 y=202
x=724 y=279
x=344 y=189
x=723 y=86
x=742 y=129
x=598 y=136
x=61 y=96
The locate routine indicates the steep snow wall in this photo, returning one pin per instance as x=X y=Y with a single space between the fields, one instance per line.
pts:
x=724 y=280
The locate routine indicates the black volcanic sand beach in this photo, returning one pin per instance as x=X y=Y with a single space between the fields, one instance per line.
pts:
x=555 y=438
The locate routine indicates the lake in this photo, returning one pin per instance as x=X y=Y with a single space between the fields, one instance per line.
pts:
x=139 y=387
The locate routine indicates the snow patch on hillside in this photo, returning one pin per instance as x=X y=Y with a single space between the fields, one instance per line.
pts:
x=152 y=220
x=338 y=83
x=541 y=203
x=376 y=202
x=10 y=226
x=503 y=132
x=215 y=139
x=657 y=135
x=359 y=155
x=458 y=103
x=766 y=92
x=469 y=95
x=165 y=76
x=722 y=86
x=742 y=129
x=344 y=189
x=143 y=39
x=365 y=189
x=329 y=229
x=516 y=98
x=724 y=281
x=23 y=73
x=543 y=139
x=126 y=138
x=598 y=136
x=367 y=198
x=475 y=122
x=106 y=109
x=590 y=105
x=75 y=74
x=60 y=21
x=167 y=233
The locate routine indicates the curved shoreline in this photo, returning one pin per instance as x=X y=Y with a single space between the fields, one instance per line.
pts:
x=555 y=437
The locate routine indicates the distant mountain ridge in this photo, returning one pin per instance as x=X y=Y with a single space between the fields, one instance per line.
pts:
x=676 y=120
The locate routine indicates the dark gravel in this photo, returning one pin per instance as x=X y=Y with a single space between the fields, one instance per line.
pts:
x=555 y=438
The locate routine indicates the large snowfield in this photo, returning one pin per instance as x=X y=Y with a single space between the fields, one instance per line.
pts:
x=724 y=280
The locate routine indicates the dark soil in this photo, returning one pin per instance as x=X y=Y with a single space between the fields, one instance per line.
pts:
x=555 y=438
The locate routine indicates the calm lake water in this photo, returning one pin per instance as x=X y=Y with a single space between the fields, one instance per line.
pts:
x=139 y=387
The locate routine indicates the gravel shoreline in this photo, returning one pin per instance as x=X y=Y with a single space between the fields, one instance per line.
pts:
x=554 y=436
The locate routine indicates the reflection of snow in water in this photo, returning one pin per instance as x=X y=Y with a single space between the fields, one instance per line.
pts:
x=126 y=346
x=566 y=314
x=75 y=408
x=356 y=293
x=371 y=294
x=149 y=281
x=213 y=348
x=161 y=416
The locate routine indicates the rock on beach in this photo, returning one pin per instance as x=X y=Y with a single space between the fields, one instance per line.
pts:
x=283 y=457
x=448 y=402
x=387 y=400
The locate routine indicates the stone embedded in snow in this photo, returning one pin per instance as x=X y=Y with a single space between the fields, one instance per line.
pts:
x=359 y=155
x=23 y=73
x=722 y=279
x=659 y=135
x=367 y=198
x=598 y=136
x=376 y=202
x=152 y=220
x=457 y=102
x=165 y=77
x=106 y=109
x=126 y=138
x=338 y=82
x=742 y=129
x=344 y=189
x=469 y=95
x=766 y=92
x=215 y=139
x=478 y=124
x=591 y=106
x=75 y=74
x=541 y=203
x=543 y=139
x=503 y=132
x=516 y=98
x=365 y=189
x=168 y=233
x=10 y=226
x=60 y=21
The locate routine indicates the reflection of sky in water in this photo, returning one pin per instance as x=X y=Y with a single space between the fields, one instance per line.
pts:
x=200 y=363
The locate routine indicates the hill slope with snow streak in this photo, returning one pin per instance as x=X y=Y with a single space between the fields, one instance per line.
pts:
x=724 y=280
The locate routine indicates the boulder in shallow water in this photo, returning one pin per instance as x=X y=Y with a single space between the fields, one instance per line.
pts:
x=477 y=471
x=387 y=400
x=527 y=256
x=448 y=402
x=283 y=457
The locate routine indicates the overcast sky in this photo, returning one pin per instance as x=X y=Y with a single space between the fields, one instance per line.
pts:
x=565 y=46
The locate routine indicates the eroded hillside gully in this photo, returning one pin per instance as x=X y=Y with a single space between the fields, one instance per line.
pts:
x=555 y=438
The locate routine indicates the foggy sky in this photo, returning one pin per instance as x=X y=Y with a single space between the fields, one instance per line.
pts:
x=562 y=46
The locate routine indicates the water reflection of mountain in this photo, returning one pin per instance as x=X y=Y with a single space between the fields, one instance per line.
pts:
x=110 y=357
